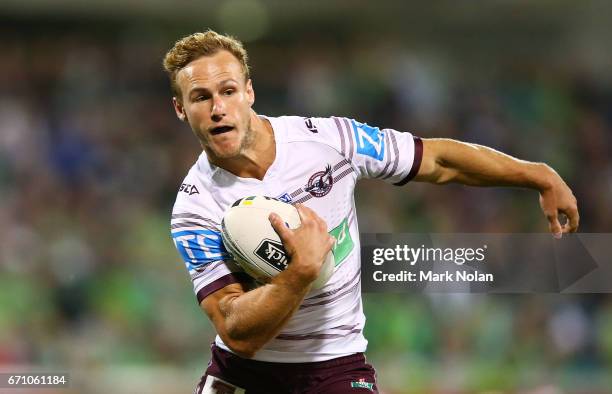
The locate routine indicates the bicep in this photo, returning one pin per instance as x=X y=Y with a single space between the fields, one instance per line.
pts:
x=447 y=160
x=431 y=169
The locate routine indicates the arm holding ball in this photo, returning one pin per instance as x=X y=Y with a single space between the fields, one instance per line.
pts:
x=247 y=320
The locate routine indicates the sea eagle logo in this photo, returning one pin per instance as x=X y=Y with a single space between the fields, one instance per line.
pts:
x=320 y=183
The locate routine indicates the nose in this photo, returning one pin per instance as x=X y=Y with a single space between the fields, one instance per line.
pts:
x=218 y=108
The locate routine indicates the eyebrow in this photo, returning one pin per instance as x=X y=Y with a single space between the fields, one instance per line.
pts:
x=226 y=81
x=206 y=90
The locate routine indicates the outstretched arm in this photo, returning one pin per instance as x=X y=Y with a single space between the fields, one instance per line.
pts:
x=446 y=160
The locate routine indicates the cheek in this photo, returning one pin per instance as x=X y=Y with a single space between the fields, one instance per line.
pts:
x=197 y=117
x=243 y=101
x=245 y=106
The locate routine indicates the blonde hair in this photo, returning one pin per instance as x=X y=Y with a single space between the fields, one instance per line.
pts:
x=196 y=45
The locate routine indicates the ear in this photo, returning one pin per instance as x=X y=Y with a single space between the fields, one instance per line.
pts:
x=179 y=109
x=250 y=93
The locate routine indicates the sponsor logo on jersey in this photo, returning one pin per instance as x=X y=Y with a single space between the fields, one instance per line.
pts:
x=370 y=140
x=285 y=198
x=320 y=183
x=310 y=125
x=189 y=189
x=344 y=243
x=362 y=384
x=273 y=253
x=199 y=247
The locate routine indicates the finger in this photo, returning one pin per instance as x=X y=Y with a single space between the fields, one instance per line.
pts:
x=312 y=215
x=301 y=212
x=554 y=225
x=305 y=213
x=283 y=231
x=308 y=217
x=573 y=221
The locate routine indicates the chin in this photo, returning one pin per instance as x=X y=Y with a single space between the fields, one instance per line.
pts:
x=226 y=153
x=224 y=149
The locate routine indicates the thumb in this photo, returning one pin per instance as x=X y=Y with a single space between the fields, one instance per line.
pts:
x=554 y=225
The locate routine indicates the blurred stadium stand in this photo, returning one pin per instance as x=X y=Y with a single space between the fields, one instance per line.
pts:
x=91 y=156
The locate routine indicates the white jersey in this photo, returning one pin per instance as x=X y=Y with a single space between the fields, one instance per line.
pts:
x=318 y=161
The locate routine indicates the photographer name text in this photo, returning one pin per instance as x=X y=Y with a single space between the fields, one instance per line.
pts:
x=431 y=276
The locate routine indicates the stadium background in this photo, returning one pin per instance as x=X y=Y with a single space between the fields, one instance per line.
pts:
x=91 y=156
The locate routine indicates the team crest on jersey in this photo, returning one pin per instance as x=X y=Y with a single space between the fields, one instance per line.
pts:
x=370 y=140
x=320 y=183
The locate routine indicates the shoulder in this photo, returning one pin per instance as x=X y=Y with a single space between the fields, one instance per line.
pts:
x=332 y=131
x=194 y=195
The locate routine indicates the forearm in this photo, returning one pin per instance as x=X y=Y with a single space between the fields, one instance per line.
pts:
x=477 y=165
x=255 y=317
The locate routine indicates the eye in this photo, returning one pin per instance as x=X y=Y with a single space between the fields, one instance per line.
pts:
x=228 y=92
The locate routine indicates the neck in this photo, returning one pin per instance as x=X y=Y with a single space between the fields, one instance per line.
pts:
x=258 y=157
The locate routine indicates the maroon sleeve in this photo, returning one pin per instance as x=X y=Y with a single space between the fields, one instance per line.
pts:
x=235 y=277
x=416 y=164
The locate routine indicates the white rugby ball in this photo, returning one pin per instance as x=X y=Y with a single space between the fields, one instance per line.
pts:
x=251 y=240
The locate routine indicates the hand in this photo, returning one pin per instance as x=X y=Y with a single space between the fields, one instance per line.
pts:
x=557 y=198
x=308 y=245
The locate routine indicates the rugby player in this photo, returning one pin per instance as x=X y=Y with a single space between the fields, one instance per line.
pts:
x=283 y=337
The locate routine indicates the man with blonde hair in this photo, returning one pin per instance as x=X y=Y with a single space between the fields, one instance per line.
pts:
x=283 y=336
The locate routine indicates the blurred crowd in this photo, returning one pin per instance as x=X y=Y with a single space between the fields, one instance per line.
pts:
x=91 y=156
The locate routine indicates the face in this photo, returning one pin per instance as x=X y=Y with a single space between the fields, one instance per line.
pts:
x=216 y=101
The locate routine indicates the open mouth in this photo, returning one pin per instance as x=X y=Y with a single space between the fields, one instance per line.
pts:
x=221 y=130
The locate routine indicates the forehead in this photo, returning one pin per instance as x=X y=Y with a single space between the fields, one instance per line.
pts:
x=209 y=70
